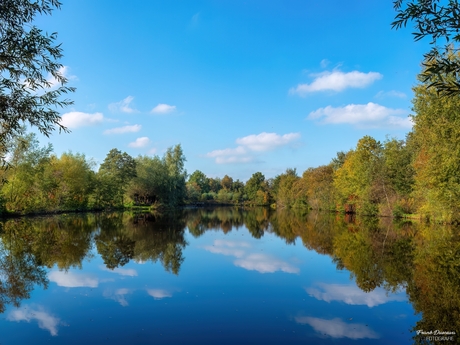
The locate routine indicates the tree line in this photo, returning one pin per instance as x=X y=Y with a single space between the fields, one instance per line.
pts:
x=415 y=176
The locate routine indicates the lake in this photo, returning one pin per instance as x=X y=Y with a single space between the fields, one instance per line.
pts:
x=228 y=276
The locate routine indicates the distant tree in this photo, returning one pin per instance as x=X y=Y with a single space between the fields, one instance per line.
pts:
x=201 y=180
x=215 y=184
x=227 y=182
x=31 y=78
x=175 y=161
x=151 y=182
x=28 y=162
x=117 y=170
x=254 y=184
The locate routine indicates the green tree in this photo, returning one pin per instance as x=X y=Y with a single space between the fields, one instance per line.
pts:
x=254 y=184
x=175 y=161
x=151 y=182
x=227 y=183
x=200 y=179
x=31 y=77
x=360 y=181
x=436 y=134
x=117 y=170
x=439 y=21
x=285 y=194
x=73 y=181
x=24 y=190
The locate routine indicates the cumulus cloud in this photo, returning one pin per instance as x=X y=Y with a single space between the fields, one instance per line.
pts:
x=364 y=115
x=236 y=155
x=123 y=106
x=266 y=141
x=124 y=129
x=163 y=108
x=121 y=271
x=159 y=293
x=44 y=319
x=352 y=295
x=252 y=143
x=336 y=328
x=70 y=279
x=140 y=142
x=75 y=119
x=261 y=263
x=336 y=81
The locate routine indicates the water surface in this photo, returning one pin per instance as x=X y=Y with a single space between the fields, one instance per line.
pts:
x=225 y=276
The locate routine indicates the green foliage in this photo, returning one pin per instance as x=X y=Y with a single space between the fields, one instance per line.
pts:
x=253 y=185
x=161 y=180
x=360 y=181
x=151 y=182
x=285 y=191
x=28 y=57
x=440 y=22
x=117 y=170
x=436 y=136
x=201 y=181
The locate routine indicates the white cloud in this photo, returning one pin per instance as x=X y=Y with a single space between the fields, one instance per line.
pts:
x=140 y=142
x=263 y=263
x=124 y=129
x=324 y=63
x=236 y=155
x=44 y=319
x=159 y=293
x=252 y=143
x=76 y=119
x=123 y=106
x=162 y=108
x=336 y=328
x=365 y=115
x=352 y=295
x=121 y=271
x=336 y=81
x=64 y=71
x=266 y=141
x=392 y=93
x=70 y=279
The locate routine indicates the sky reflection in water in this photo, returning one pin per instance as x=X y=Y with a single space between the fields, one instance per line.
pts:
x=231 y=288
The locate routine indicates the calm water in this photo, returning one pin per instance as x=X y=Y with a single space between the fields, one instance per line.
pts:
x=226 y=276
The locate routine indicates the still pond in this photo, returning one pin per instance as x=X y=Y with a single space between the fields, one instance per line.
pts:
x=227 y=276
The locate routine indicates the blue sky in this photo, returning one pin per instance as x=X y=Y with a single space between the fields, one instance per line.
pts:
x=243 y=86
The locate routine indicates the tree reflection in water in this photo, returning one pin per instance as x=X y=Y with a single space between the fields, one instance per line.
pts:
x=422 y=259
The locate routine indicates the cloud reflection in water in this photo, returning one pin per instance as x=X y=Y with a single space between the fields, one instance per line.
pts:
x=118 y=296
x=44 y=319
x=336 y=328
x=261 y=263
x=159 y=293
x=70 y=279
x=352 y=295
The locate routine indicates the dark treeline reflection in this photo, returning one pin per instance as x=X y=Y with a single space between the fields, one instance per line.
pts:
x=423 y=260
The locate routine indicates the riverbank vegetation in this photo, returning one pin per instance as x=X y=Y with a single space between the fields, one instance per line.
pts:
x=414 y=177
